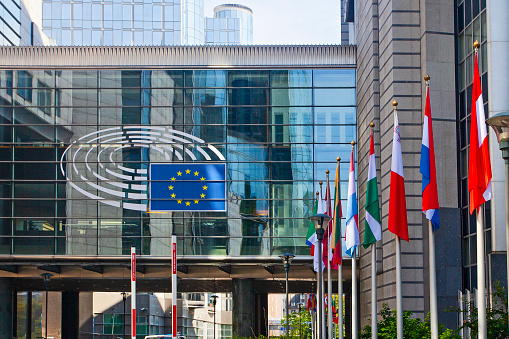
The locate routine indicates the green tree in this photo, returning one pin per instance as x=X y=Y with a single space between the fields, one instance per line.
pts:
x=300 y=323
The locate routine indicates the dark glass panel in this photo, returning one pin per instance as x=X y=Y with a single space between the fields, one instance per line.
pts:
x=131 y=97
x=475 y=8
x=34 y=208
x=5 y=113
x=472 y=221
x=250 y=78
x=248 y=97
x=33 y=245
x=34 y=190
x=5 y=245
x=468 y=11
x=462 y=104
x=131 y=115
x=131 y=79
x=463 y=133
x=334 y=78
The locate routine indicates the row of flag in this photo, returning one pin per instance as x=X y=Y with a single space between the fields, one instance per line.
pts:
x=479 y=186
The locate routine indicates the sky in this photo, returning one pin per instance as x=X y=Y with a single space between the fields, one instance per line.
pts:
x=290 y=22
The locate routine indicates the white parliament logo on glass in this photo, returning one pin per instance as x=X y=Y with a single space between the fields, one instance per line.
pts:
x=93 y=161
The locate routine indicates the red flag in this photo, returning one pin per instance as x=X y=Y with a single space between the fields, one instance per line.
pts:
x=397 y=201
x=479 y=169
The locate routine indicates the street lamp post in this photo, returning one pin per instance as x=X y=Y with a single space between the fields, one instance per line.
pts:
x=124 y=297
x=300 y=319
x=320 y=221
x=214 y=301
x=47 y=278
x=500 y=124
x=287 y=260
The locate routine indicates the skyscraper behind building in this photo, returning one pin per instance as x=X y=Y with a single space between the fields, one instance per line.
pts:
x=20 y=23
x=143 y=23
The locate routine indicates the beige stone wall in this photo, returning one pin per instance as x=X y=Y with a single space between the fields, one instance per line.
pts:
x=399 y=41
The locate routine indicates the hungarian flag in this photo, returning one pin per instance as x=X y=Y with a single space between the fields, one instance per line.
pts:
x=429 y=177
x=336 y=225
x=373 y=231
x=397 y=202
x=352 y=214
x=479 y=168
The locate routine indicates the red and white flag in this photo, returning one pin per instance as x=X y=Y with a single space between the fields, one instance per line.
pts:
x=397 y=201
x=479 y=168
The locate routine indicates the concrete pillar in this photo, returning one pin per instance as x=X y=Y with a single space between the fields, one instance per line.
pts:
x=86 y=314
x=261 y=314
x=70 y=314
x=6 y=308
x=244 y=301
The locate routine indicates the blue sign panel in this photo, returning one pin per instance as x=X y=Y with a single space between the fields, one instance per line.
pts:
x=188 y=187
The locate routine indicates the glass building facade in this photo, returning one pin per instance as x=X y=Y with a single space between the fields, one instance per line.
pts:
x=123 y=23
x=231 y=24
x=10 y=22
x=76 y=146
x=471 y=26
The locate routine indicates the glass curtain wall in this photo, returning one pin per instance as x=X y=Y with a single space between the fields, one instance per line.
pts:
x=471 y=26
x=278 y=131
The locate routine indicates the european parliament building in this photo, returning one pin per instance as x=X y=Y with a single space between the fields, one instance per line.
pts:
x=82 y=128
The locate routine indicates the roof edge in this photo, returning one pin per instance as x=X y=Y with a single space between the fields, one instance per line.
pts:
x=182 y=56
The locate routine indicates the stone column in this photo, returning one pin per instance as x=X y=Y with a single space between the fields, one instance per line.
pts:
x=244 y=307
x=6 y=308
x=70 y=314
x=498 y=84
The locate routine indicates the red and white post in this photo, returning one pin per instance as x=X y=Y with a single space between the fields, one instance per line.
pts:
x=133 y=292
x=174 y=286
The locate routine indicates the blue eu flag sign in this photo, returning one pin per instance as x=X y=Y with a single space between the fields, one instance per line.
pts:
x=188 y=187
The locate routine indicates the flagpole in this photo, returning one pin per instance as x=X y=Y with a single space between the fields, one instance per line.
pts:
x=318 y=324
x=481 y=282
x=329 y=279
x=323 y=324
x=340 y=274
x=374 y=322
x=354 y=296
x=432 y=284
x=399 y=299
x=354 y=284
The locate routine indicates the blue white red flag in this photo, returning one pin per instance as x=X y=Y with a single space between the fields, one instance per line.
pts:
x=430 y=204
x=352 y=214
